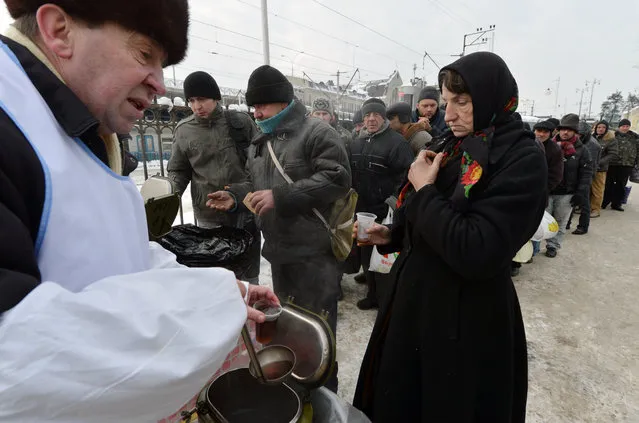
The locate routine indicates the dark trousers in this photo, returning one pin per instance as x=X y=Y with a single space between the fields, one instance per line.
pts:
x=616 y=182
x=584 y=217
x=252 y=273
x=314 y=283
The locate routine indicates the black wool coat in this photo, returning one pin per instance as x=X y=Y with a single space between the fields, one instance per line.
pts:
x=449 y=344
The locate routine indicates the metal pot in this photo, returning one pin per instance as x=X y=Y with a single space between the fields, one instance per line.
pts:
x=240 y=398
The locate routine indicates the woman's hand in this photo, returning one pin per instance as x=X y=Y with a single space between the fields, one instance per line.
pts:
x=424 y=169
x=377 y=235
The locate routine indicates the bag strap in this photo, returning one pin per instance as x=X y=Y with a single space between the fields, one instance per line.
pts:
x=288 y=179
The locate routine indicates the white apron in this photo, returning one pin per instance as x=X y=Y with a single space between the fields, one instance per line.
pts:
x=128 y=348
x=93 y=222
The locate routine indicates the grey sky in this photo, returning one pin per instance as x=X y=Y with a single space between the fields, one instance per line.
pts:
x=540 y=40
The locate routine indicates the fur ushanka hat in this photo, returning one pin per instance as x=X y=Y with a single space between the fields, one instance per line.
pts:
x=164 y=21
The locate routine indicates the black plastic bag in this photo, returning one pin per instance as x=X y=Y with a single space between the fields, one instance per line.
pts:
x=218 y=247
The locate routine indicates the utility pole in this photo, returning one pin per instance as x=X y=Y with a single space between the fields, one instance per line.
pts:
x=265 y=40
x=532 y=109
x=414 y=71
x=431 y=59
x=595 y=81
x=478 y=38
x=558 y=80
x=581 y=100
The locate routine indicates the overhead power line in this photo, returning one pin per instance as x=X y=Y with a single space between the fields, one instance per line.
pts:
x=450 y=12
x=285 y=47
x=367 y=27
x=318 y=70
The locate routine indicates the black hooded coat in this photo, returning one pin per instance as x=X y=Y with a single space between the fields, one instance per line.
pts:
x=449 y=342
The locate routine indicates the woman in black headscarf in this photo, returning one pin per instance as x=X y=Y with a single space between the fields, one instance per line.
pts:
x=449 y=344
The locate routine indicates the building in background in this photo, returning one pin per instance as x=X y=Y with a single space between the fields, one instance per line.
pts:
x=633 y=117
x=347 y=99
x=346 y=103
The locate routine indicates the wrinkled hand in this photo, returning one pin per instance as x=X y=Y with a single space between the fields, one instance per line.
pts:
x=424 y=169
x=262 y=202
x=220 y=200
x=377 y=235
x=257 y=293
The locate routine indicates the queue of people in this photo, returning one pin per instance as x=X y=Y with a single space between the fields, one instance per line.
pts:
x=579 y=158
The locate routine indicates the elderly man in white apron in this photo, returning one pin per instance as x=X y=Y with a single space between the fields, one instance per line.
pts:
x=96 y=324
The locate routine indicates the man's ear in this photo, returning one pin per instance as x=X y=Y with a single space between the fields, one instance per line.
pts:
x=56 y=30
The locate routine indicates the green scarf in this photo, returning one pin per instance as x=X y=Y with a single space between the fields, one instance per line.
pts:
x=268 y=126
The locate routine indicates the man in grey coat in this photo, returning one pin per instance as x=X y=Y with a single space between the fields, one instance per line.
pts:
x=209 y=151
x=296 y=242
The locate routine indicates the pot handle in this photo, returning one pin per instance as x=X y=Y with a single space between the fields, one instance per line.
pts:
x=187 y=415
x=202 y=408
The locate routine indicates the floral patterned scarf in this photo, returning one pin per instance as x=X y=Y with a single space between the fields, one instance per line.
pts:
x=495 y=98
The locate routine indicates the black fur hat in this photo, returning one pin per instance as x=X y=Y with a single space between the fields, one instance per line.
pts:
x=164 y=21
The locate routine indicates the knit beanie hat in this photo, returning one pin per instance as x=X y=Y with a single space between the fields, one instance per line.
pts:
x=570 y=121
x=429 y=93
x=401 y=110
x=268 y=85
x=358 y=117
x=374 y=105
x=555 y=122
x=201 y=84
x=146 y=17
x=322 y=105
x=624 y=122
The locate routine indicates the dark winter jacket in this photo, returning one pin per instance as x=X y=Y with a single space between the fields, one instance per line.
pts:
x=22 y=179
x=449 y=342
x=437 y=122
x=205 y=154
x=578 y=172
x=555 y=162
x=344 y=134
x=609 y=152
x=314 y=157
x=379 y=163
x=594 y=148
x=628 y=145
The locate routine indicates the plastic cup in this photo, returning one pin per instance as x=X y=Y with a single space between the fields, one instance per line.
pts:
x=366 y=221
x=264 y=332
